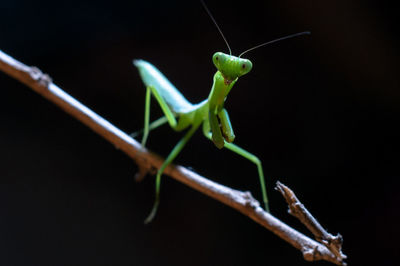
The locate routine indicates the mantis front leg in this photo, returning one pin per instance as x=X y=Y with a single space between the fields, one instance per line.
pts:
x=221 y=128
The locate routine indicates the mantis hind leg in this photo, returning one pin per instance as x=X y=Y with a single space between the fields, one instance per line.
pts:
x=153 y=125
x=165 y=108
x=175 y=151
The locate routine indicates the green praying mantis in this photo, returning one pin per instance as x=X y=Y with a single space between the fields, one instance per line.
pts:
x=210 y=113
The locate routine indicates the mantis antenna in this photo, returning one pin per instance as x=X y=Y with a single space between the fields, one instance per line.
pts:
x=220 y=31
x=276 y=40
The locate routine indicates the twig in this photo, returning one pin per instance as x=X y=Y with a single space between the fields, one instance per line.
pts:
x=297 y=209
x=241 y=201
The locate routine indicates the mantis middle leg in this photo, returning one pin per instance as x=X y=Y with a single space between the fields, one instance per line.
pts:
x=175 y=151
x=225 y=128
x=256 y=160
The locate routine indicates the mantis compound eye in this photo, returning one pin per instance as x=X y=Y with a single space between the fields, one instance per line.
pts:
x=218 y=59
x=245 y=66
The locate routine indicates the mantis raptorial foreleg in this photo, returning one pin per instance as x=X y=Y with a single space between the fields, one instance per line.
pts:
x=226 y=126
x=216 y=135
x=221 y=128
x=177 y=149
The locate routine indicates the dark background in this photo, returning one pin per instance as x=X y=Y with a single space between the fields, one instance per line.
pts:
x=321 y=111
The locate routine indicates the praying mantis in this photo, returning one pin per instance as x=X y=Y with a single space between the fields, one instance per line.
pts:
x=181 y=114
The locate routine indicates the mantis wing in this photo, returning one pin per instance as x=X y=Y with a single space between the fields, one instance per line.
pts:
x=151 y=76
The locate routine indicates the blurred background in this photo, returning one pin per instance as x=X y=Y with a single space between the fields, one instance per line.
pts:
x=321 y=112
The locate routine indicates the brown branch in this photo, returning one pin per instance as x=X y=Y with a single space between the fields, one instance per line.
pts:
x=297 y=209
x=241 y=201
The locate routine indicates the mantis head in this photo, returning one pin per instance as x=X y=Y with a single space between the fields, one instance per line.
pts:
x=231 y=66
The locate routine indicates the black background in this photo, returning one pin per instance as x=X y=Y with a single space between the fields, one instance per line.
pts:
x=321 y=111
